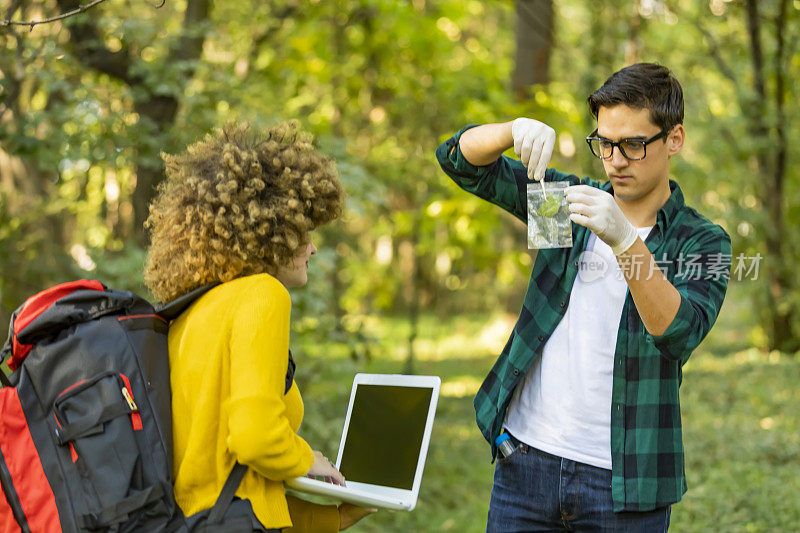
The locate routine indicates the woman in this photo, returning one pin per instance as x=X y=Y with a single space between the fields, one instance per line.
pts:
x=237 y=208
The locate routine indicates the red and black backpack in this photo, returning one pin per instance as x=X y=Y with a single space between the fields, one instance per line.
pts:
x=85 y=415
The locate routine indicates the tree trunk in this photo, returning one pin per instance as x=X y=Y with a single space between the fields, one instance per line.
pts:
x=159 y=113
x=534 y=44
x=771 y=158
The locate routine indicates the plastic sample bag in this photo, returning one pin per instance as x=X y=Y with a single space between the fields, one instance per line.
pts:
x=549 y=225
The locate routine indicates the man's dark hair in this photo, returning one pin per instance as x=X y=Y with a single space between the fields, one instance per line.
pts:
x=643 y=86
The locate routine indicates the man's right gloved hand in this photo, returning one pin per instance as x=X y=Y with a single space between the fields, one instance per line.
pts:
x=533 y=143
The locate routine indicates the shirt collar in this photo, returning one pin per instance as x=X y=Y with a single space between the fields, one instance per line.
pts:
x=666 y=215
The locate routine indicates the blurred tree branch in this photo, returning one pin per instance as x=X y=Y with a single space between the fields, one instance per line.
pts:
x=714 y=50
x=85 y=36
x=280 y=14
x=32 y=23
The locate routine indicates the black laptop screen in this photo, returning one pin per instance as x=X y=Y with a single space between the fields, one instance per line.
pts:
x=385 y=435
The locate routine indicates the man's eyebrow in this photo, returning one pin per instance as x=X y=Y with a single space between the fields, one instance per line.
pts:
x=634 y=138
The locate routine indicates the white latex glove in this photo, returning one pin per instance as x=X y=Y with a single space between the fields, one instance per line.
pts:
x=597 y=210
x=533 y=144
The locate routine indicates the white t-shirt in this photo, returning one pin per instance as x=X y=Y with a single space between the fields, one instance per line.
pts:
x=563 y=404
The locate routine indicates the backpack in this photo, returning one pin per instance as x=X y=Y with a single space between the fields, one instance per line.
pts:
x=85 y=415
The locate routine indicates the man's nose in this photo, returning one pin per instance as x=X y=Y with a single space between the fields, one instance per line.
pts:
x=617 y=159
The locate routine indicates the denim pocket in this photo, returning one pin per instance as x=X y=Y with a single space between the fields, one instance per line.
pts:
x=508 y=458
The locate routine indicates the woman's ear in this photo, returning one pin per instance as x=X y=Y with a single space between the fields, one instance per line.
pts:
x=675 y=140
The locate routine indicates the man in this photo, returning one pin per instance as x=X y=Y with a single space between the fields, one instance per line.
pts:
x=587 y=385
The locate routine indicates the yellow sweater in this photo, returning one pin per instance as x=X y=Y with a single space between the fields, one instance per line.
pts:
x=228 y=356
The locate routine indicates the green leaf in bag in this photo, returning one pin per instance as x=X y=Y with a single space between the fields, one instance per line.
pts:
x=550 y=206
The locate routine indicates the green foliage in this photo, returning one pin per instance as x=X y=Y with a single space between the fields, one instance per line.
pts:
x=381 y=84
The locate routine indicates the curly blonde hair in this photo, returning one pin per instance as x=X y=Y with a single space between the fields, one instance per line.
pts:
x=237 y=203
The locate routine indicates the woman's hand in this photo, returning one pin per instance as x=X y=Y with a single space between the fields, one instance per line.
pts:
x=323 y=468
x=349 y=514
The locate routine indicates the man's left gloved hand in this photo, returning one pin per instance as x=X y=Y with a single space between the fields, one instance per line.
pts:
x=597 y=210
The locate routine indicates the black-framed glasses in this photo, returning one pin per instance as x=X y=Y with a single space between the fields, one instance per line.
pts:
x=632 y=149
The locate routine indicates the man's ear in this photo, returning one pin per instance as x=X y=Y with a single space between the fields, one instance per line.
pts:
x=675 y=140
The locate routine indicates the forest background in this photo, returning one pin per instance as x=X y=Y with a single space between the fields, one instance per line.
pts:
x=419 y=276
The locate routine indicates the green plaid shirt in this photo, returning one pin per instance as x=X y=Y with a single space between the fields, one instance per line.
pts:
x=646 y=443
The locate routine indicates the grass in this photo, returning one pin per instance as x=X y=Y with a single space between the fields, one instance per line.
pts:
x=742 y=442
x=741 y=424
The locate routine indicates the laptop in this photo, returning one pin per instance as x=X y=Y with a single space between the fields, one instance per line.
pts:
x=384 y=443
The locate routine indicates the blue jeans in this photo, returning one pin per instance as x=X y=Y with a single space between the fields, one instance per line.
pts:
x=536 y=491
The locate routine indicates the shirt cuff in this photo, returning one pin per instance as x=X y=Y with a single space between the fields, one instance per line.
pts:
x=672 y=343
x=449 y=154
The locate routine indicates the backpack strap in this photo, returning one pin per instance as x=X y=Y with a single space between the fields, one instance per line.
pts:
x=120 y=511
x=5 y=352
x=289 y=373
x=173 y=309
x=226 y=496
